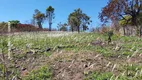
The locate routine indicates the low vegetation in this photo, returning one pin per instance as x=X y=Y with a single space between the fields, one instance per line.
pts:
x=56 y=55
x=112 y=51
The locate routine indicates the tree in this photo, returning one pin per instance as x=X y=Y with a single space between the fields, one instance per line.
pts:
x=85 y=27
x=140 y=22
x=72 y=21
x=59 y=26
x=78 y=19
x=62 y=27
x=39 y=17
x=125 y=22
x=85 y=20
x=50 y=15
x=117 y=9
x=14 y=23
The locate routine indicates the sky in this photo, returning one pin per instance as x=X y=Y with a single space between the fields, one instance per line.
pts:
x=23 y=10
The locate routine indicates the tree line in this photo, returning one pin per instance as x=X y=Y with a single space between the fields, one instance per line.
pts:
x=77 y=20
x=122 y=13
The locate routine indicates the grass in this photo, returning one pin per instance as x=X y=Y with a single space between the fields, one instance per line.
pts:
x=31 y=47
x=44 y=73
x=98 y=76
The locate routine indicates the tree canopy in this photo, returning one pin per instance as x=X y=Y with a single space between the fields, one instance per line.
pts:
x=126 y=21
x=14 y=23
x=78 y=19
x=118 y=9
x=62 y=27
x=39 y=17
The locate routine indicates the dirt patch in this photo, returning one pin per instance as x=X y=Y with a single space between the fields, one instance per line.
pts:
x=74 y=66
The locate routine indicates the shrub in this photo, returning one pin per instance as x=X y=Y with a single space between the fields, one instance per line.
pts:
x=26 y=27
x=19 y=28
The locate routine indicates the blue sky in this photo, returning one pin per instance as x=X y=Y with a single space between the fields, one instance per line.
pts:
x=24 y=9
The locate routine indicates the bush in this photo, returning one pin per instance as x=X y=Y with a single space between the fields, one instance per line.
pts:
x=19 y=28
x=26 y=27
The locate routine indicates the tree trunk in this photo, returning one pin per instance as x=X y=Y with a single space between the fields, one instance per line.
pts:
x=124 y=30
x=140 y=31
x=50 y=26
x=134 y=20
x=78 y=29
x=131 y=31
x=72 y=28
x=39 y=25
